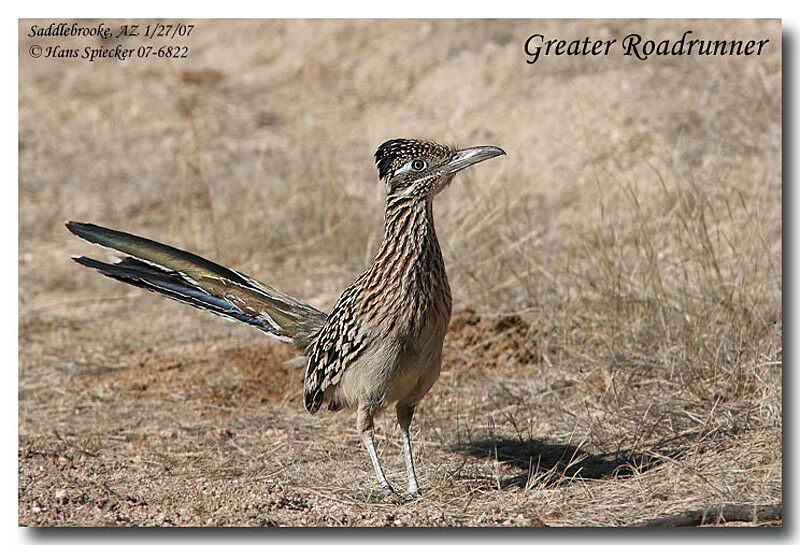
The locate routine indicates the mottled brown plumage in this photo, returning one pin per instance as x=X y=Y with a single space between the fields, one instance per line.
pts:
x=382 y=342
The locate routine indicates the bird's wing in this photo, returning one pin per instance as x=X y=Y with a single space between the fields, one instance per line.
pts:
x=339 y=342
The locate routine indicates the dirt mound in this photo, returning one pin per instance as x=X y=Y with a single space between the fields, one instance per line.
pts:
x=264 y=375
x=490 y=340
x=214 y=374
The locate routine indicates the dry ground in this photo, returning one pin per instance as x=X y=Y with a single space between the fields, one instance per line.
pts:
x=615 y=354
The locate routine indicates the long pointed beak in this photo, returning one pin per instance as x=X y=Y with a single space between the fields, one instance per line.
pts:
x=469 y=156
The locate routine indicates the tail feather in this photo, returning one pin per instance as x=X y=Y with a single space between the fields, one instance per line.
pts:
x=196 y=281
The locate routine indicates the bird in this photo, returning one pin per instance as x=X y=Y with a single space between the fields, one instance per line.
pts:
x=381 y=344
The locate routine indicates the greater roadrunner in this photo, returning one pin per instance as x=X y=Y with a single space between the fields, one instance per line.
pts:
x=382 y=342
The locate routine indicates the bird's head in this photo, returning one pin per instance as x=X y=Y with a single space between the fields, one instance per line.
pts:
x=419 y=169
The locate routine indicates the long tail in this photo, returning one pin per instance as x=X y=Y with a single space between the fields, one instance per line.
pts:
x=196 y=281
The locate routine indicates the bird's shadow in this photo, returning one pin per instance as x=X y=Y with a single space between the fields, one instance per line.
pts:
x=548 y=465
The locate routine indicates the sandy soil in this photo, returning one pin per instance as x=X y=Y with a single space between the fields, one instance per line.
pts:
x=615 y=355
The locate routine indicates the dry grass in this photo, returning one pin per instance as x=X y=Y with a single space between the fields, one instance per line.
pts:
x=616 y=351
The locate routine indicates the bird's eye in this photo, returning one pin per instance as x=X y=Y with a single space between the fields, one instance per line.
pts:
x=418 y=164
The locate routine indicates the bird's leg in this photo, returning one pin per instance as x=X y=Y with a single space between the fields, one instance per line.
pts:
x=404 y=415
x=366 y=431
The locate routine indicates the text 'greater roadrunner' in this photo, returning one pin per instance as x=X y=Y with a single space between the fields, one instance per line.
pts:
x=382 y=342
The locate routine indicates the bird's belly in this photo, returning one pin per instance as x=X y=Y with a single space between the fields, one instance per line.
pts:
x=415 y=381
x=419 y=358
x=397 y=368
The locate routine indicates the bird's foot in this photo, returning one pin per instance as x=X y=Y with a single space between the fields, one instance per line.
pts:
x=386 y=492
x=412 y=494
